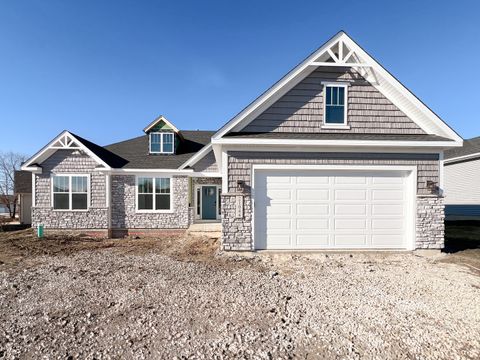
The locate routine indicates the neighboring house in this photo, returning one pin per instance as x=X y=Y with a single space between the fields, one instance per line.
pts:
x=462 y=181
x=23 y=190
x=336 y=155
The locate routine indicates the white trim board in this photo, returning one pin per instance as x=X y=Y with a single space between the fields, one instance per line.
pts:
x=380 y=78
x=473 y=156
x=386 y=144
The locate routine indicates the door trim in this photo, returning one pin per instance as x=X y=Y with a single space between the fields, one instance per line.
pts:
x=411 y=186
x=198 y=200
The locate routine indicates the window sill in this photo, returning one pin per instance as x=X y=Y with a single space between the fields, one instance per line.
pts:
x=337 y=127
x=70 y=210
x=154 y=211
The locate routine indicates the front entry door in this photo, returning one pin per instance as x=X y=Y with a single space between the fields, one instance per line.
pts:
x=209 y=202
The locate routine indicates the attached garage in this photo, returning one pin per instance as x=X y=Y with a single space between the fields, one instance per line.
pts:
x=334 y=208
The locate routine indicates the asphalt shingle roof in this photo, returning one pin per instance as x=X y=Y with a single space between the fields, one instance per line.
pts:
x=470 y=146
x=134 y=152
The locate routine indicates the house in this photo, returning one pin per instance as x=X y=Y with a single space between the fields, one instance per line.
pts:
x=338 y=154
x=23 y=191
x=462 y=181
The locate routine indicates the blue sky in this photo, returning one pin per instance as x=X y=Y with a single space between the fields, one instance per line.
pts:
x=105 y=69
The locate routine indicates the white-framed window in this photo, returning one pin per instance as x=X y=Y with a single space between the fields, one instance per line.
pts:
x=162 y=143
x=335 y=104
x=154 y=194
x=70 y=192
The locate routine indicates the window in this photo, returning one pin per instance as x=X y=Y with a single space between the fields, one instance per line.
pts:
x=162 y=143
x=153 y=194
x=70 y=192
x=335 y=105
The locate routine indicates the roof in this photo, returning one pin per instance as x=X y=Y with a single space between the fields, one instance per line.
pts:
x=337 y=136
x=356 y=57
x=134 y=152
x=23 y=182
x=470 y=148
x=112 y=159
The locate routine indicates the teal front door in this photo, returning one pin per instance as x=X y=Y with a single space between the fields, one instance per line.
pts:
x=209 y=202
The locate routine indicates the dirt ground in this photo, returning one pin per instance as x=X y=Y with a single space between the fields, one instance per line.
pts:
x=78 y=297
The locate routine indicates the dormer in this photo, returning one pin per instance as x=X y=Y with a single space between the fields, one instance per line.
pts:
x=163 y=137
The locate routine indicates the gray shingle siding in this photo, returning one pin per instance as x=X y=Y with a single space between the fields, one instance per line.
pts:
x=301 y=109
x=239 y=163
x=70 y=162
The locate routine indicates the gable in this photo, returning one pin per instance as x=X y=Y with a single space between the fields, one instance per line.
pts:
x=161 y=126
x=206 y=163
x=302 y=108
x=342 y=52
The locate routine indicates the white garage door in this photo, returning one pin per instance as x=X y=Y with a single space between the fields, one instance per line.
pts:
x=310 y=209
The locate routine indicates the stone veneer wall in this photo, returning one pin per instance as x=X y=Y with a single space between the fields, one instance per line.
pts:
x=237 y=232
x=124 y=215
x=70 y=162
x=430 y=227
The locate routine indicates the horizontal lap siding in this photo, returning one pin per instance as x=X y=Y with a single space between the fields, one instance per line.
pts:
x=462 y=183
x=240 y=163
x=301 y=109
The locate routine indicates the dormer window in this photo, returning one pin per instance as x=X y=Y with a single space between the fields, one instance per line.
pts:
x=162 y=143
x=335 y=105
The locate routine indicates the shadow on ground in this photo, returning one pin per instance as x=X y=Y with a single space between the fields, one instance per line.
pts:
x=461 y=235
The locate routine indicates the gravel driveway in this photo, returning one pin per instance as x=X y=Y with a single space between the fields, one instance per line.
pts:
x=117 y=303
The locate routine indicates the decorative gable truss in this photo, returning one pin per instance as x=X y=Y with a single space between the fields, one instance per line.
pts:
x=64 y=141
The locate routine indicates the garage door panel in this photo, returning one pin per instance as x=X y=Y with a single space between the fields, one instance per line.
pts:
x=280 y=209
x=350 y=194
x=387 y=223
x=312 y=224
x=350 y=209
x=350 y=224
x=310 y=209
x=272 y=180
x=278 y=194
x=382 y=180
x=387 y=209
x=350 y=240
x=387 y=194
x=387 y=240
x=313 y=180
x=313 y=241
x=312 y=194
x=275 y=224
x=278 y=241
x=350 y=180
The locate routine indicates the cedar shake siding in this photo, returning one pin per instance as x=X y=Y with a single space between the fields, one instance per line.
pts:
x=239 y=163
x=70 y=162
x=301 y=109
x=237 y=231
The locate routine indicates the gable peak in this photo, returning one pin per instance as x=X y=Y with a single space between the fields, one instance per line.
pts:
x=161 y=123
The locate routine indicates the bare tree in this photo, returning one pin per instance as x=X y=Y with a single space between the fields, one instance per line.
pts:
x=9 y=162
